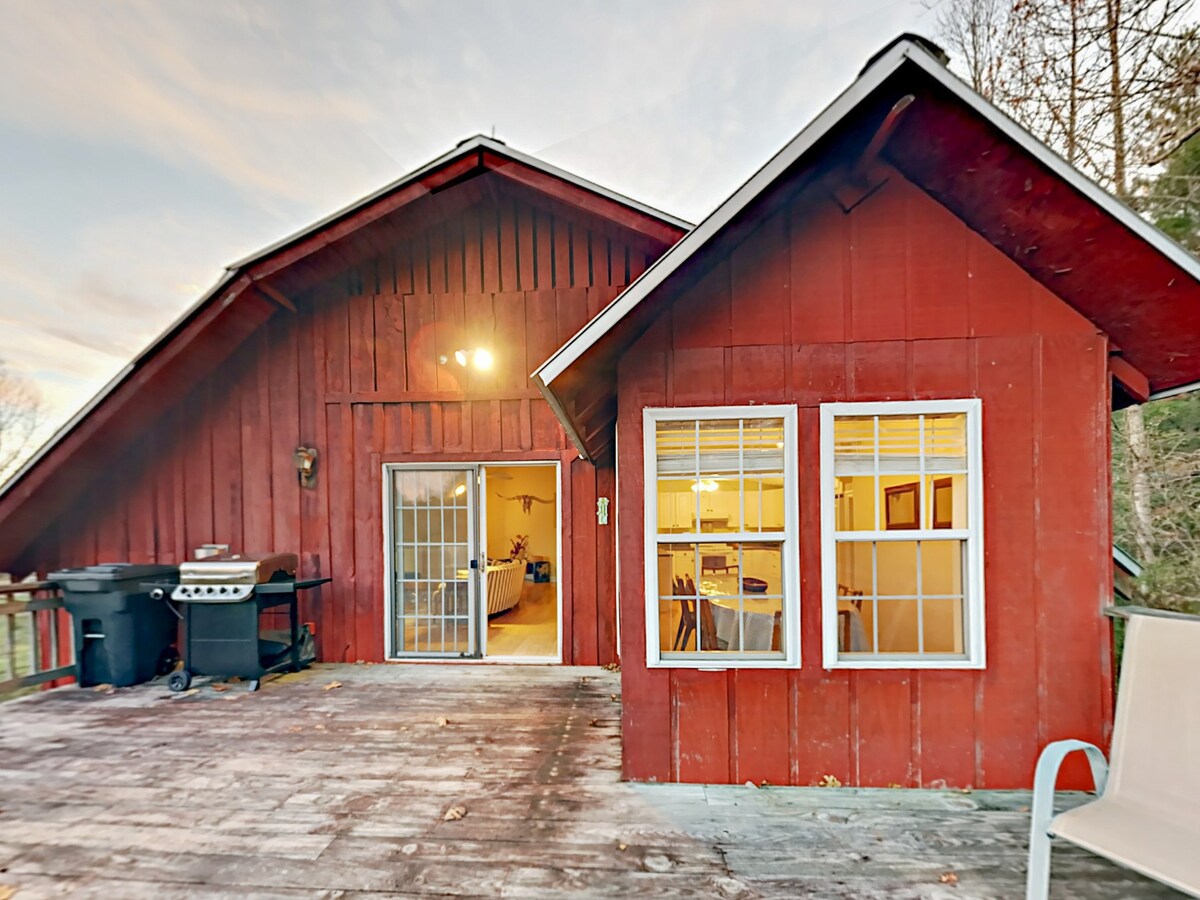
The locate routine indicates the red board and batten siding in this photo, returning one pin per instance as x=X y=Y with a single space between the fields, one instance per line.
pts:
x=355 y=373
x=895 y=300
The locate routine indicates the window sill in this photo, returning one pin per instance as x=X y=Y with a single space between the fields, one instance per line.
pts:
x=722 y=665
x=907 y=664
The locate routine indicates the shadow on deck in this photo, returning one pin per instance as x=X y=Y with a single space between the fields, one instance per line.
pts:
x=305 y=791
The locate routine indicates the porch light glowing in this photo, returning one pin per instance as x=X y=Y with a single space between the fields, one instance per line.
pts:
x=705 y=485
x=480 y=357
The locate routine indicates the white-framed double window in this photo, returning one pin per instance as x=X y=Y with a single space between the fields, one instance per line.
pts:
x=902 y=535
x=722 y=545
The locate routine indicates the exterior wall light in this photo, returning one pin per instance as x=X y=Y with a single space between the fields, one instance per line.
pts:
x=305 y=459
x=480 y=357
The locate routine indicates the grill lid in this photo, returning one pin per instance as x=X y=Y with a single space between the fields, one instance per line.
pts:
x=248 y=568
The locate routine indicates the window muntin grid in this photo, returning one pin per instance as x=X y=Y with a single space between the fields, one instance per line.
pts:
x=431 y=537
x=902 y=573
x=720 y=535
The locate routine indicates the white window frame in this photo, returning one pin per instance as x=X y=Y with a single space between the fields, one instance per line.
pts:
x=789 y=565
x=974 y=629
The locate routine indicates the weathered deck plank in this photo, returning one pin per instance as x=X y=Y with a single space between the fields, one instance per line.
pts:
x=302 y=792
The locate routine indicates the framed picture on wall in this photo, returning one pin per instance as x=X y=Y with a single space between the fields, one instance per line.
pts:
x=900 y=506
x=943 y=503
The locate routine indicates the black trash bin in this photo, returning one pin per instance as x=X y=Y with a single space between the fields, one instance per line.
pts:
x=122 y=635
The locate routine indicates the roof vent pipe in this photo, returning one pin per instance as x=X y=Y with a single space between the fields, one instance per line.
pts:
x=924 y=43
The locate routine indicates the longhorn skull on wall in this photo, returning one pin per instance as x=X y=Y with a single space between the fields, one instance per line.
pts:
x=527 y=501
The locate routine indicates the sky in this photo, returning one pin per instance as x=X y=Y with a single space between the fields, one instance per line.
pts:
x=145 y=145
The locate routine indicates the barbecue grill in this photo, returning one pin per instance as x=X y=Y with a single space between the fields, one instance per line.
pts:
x=221 y=599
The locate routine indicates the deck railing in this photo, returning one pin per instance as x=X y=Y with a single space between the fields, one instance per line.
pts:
x=36 y=640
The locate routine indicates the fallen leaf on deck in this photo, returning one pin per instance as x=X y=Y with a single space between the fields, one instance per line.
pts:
x=611 y=667
x=613 y=697
x=751 y=784
x=319 y=727
x=893 y=784
x=829 y=781
x=622 y=846
x=190 y=692
x=595 y=723
x=220 y=688
x=948 y=878
x=7 y=891
x=454 y=813
x=99 y=689
x=295 y=729
x=332 y=685
x=441 y=721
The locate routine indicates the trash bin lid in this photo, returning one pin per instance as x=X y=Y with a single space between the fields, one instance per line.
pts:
x=114 y=572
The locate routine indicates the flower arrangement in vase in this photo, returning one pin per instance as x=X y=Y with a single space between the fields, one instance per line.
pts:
x=520 y=546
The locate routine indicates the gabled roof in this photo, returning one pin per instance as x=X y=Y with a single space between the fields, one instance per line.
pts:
x=257 y=287
x=1131 y=280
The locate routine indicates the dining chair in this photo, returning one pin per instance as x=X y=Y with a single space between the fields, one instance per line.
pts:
x=845 y=617
x=708 y=627
x=687 y=614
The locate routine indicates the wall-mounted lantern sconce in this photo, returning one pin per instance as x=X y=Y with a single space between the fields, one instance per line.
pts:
x=305 y=459
x=481 y=358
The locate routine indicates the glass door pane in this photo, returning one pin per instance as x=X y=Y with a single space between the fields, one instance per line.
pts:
x=433 y=585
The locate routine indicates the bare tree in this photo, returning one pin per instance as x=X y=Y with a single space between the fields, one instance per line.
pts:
x=1107 y=83
x=21 y=415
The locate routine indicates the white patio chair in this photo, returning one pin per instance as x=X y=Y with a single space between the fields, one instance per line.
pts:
x=1147 y=812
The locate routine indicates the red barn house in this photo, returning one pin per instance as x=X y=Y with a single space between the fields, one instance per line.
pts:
x=834 y=464
x=861 y=420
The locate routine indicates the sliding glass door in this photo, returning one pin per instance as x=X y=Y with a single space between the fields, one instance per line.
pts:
x=433 y=608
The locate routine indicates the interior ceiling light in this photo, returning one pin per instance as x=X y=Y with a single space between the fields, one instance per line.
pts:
x=707 y=485
x=459 y=490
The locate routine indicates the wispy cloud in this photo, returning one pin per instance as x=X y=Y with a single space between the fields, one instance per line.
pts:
x=143 y=144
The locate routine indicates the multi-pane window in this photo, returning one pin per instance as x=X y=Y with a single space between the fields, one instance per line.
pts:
x=902 y=534
x=721 y=536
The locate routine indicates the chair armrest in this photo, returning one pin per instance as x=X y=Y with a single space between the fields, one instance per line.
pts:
x=1045 y=778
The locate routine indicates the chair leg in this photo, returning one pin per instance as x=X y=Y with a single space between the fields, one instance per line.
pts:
x=1037 y=880
x=687 y=635
x=678 y=633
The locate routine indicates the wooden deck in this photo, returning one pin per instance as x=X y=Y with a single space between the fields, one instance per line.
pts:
x=300 y=791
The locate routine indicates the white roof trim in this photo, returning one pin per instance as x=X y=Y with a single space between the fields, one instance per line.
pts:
x=868 y=81
x=1176 y=391
x=464 y=148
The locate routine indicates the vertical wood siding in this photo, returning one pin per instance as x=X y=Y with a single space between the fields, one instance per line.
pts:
x=895 y=300
x=355 y=373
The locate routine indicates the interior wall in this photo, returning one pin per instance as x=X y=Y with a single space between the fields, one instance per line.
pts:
x=506 y=518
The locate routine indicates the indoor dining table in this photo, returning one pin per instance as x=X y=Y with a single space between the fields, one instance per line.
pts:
x=759 y=613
